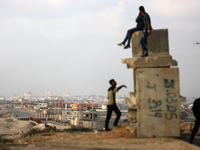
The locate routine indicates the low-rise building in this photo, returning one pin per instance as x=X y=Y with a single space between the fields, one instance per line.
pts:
x=59 y=103
x=41 y=106
x=83 y=106
x=91 y=119
x=88 y=119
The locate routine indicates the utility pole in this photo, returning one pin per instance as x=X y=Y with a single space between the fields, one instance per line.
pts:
x=61 y=114
x=58 y=111
x=54 y=112
x=92 y=115
x=50 y=113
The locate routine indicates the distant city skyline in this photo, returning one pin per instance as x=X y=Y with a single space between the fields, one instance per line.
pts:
x=65 y=45
x=65 y=94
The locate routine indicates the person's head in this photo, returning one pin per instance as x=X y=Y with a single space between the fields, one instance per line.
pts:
x=141 y=9
x=112 y=82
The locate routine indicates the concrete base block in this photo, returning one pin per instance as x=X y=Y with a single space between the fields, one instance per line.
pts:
x=150 y=62
x=159 y=102
x=157 y=43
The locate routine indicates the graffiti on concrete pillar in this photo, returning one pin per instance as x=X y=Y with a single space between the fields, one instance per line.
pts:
x=154 y=107
x=169 y=83
x=150 y=86
x=170 y=100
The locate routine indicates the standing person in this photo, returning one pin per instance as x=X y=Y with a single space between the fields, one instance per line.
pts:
x=139 y=27
x=111 y=105
x=196 y=112
x=146 y=31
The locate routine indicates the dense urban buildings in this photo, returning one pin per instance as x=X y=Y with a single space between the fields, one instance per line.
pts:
x=89 y=111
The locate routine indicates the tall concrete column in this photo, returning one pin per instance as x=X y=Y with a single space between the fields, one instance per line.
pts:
x=154 y=105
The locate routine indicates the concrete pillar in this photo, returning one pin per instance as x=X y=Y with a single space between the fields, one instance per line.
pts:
x=154 y=105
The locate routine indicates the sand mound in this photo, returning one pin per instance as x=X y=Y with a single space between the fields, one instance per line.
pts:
x=25 y=125
x=121 y=132
x=40 y=126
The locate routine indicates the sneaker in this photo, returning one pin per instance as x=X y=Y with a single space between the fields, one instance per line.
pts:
x=145 y=54
x=107 y=130
x=121 y=44
x=117 y=126
x=127 y=46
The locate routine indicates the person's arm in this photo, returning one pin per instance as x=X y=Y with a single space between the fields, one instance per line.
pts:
x=121 y=87
x=139 y=18
x=147 y=20
x=148 y=27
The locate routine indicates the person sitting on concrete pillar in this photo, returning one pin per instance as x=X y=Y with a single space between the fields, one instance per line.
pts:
x=139 y=27
x=146 y=31
x=196 y=112
x=111 y=105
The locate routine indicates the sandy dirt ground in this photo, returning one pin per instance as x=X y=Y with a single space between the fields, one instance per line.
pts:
x=11 y=127
x=117 y=139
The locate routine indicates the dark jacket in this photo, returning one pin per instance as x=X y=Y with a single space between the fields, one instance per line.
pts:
x=196 y=108
x=140 y=22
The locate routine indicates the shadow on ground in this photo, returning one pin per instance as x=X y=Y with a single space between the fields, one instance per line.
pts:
x=186 y=137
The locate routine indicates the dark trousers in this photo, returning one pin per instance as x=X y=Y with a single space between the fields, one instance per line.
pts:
x=195 y=129
x=110 y=109
x=129 y=34
x=143 y=41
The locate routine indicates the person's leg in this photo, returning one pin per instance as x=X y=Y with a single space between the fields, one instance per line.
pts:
x=195 y=129
x=143 y=43
x=126 y=38
x=109 y=113
x=117 y=111
x=130 y=33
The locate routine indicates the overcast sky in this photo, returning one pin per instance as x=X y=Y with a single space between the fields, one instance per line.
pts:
x=71 y=45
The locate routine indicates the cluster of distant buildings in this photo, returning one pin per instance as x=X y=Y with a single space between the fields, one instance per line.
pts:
x=89 y=111
x=48 y=96
x=51 y=104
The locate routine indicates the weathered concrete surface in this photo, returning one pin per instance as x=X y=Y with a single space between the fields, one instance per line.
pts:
x=154 y=105
x=156 y=101
x=158 y=51
x=150 y=62
x=157 y=43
